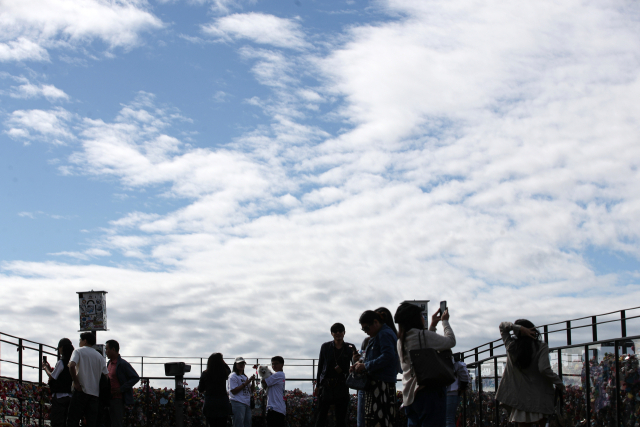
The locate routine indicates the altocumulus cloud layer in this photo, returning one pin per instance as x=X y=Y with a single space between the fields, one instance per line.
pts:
x=484 y=151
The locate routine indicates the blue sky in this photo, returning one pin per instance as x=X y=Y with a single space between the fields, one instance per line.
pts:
x=241 y=174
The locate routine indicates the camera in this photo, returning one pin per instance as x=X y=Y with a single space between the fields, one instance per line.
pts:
x=174 y=369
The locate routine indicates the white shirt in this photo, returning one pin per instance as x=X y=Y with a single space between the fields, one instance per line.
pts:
x=244 y=395
x=275 y=393
x=89 y=366
x=55 y=373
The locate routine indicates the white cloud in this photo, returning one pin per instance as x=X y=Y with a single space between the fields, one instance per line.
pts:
x=22 y=49
x=29 y=90
x=30 y=27
x=50 y=124
x=486 y=153
x=258 y=27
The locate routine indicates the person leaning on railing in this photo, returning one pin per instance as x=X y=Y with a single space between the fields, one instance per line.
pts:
x=527 y=383
x=425 y=406
x=60 y=383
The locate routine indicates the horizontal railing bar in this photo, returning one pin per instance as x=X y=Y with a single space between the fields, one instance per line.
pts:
x=24 y=339
x=247 y=358
x=589 y=343
x=555 y=330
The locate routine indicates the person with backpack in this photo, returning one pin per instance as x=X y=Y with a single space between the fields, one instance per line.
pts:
x=527 y=386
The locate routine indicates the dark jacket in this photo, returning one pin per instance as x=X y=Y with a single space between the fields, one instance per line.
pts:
x=381 y=358
x=327 y=361
x=63 y=383
x=127 y=377
x=216 y=399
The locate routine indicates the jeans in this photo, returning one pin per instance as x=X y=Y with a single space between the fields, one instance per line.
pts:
x=59 y=411
x=275 y=419
x=428 y=408
x=453 y=400
x=342 y=407
x=116 y=412
x=241 y=414
x=360 y=418
x=82 y=404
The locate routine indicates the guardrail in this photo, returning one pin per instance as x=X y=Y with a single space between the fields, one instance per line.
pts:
x=491 y=346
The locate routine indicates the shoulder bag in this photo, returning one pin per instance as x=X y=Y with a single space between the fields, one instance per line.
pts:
x=432 y=368
x=358 y=381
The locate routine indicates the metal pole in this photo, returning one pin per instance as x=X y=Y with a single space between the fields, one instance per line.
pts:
x=479 y=379
x=587 y=371
x=623 y=323
x=495 y=391
x=546 y=334
x=142 y=367
x=569 y=332
x=20 y=360
x=476 y=349
x=594 y=328
x=41 y=420
x=618 y=399
x=490 y=349
x=201 y=366
x=560 y=363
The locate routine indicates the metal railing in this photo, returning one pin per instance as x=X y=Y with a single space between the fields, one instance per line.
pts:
x=479 y=417
x=23 y=345
x=491 y=346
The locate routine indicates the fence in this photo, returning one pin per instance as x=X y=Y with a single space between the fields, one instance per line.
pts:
x=590 y=363
x=602 y=376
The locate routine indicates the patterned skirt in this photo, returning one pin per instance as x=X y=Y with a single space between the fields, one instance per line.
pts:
x=380 y=404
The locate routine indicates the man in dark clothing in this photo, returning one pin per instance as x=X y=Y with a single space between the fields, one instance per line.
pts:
x=122 y=378
x=333 y=368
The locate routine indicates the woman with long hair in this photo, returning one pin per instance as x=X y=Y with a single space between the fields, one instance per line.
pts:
x=381 y=365
x=424 y=406
x=213 y=383
x=60 y=383
x=527 y=386
x=240 y=390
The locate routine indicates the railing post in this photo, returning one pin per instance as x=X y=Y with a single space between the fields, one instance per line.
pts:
x=618 y=399
x=480 y=403
x=623 y=323
x=495 y=391
x=20 y=360
x=20 y=378
x=594 y=328
x=560 y=364
x=141 y=366
x=41 y=418
x=201 y=366
x=587 y=391
x=569 y=332
x=476 y=349
x=491 y=349
x=546 y=334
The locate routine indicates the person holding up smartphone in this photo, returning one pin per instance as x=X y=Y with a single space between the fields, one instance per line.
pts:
x=60 y=383
x=333 y=368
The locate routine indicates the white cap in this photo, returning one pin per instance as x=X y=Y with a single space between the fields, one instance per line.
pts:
x=240 y=359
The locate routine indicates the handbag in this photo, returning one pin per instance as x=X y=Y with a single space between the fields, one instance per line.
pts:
x=432 y=368
x=358 y=381
x=557 y=419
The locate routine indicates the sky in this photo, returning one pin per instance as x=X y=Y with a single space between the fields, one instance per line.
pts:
x=241 y=174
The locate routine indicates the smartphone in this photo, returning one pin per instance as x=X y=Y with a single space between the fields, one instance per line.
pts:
x=44 y=359
x=443 y=307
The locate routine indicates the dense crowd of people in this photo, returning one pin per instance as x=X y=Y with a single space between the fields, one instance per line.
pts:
x=431 y=388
